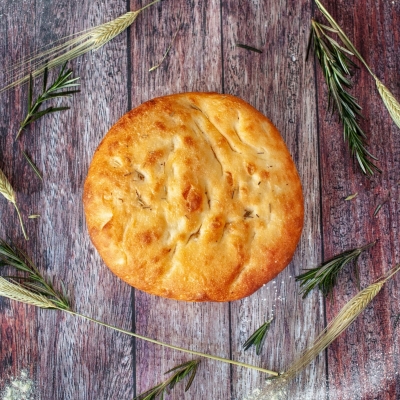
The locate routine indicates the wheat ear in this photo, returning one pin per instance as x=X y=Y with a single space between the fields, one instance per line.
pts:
x=15 y=292
x=8 y=192
x=69 y=48
x=339 y=324
x=389 y=100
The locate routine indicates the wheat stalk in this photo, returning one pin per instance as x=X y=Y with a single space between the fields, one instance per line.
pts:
x=276 y=388
x=339 y=324
x=69 y=48
x=43 y=295
x=14 y=291
x=8 y=192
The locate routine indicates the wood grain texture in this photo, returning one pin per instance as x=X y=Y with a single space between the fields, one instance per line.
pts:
x=281 y=85
x=69 y=358
x=193 y=64
x=18 y=322
x=372 y=341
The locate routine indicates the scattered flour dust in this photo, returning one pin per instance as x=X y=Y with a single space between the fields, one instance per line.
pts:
x=19 y=388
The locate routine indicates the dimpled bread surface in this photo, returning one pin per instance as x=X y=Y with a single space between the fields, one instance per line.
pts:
x=194 y=197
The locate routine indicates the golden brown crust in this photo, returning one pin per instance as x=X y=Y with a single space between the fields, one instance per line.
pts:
x=194 y=197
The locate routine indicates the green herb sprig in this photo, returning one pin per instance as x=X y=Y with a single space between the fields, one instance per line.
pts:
x=337 y=69
x=324 y=276
x=391 y=103
x=257 y=339
x=31 y=280
x=55 y=90
x=181 y=372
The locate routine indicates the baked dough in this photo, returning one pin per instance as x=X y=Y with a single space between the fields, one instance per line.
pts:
x=195 y=197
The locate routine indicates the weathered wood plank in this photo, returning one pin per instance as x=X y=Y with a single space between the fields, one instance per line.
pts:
x=69 y=358
x=18 y=345
x=193 y=64
x=281 y=85
x=76 y=359
x=363 y=362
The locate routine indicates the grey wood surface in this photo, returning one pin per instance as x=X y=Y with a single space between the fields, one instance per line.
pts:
x=69 y=358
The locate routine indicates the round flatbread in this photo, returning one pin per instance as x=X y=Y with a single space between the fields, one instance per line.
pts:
x=194 y=197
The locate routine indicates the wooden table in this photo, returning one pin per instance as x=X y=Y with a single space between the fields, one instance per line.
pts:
x=69 y=358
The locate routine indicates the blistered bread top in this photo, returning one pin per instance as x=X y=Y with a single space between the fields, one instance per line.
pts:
x=194 y=197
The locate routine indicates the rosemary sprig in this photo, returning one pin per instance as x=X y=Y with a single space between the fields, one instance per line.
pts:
x=31 y=280
x=392 y=105
x=257 y=339
x=69 y=48
x=56 y=89
x=325 y=275
x=8 y=192
x=12 y=290
x=336 y=67
x=181 y=372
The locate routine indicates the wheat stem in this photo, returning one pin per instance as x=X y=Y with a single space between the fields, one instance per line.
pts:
x=339 y=324
x=79 y=44
x=20 y=221
x=197 y=353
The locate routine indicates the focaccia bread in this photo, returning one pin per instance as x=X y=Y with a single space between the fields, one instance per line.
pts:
x=194 y=197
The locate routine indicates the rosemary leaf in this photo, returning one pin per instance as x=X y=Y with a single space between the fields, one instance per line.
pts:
x=181 y=372
x=377 y=209
x=55 y=90
x=8 y=192
x=324 y=276
x=33 y=166
x=258 y=337
x=251 y=48
x=336 y=68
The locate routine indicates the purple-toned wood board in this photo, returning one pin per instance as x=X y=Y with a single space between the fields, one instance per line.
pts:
x=69 y=358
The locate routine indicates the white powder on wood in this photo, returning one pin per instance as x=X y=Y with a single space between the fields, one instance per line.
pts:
x=19 y=388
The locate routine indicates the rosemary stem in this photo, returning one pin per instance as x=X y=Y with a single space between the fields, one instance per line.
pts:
x=197 y=353
x=346 y=40
x=20 y=221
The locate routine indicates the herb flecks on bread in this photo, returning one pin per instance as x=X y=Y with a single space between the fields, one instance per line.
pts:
x=194 y=197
